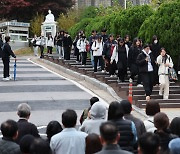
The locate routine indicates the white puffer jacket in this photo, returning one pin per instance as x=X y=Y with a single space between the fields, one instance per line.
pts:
x=162 y=68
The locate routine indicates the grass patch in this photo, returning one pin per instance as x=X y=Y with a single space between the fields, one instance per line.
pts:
x=24 y=51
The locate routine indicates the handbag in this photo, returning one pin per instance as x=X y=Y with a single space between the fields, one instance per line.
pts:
x=172 y=74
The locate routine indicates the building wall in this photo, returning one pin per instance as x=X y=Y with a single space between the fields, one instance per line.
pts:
x=97 y=3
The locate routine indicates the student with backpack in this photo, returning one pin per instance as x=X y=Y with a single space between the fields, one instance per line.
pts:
x=6 y=53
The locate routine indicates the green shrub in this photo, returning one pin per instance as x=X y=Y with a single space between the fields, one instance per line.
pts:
x=165 y=23
x=129 y=21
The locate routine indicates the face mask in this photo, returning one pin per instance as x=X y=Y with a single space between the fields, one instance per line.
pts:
x=155 y=41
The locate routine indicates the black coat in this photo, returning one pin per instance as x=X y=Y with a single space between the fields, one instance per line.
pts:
x=143 y=64
x=7 y=52
x=107 y=50
x=155 y=48
x=24 y=128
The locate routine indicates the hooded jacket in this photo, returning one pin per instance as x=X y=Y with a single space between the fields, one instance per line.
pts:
x=97 y=116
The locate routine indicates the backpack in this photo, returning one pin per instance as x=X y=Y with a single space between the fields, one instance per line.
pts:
x=1 y=50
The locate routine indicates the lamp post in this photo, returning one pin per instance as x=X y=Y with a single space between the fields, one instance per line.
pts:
x=125 y=4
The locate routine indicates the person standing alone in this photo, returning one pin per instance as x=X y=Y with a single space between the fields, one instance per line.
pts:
x=6 y=53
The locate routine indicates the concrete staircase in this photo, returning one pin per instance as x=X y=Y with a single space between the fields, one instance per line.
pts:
x=121 y=88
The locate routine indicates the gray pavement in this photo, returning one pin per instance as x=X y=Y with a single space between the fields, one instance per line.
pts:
x=48 y=94
x=50 y=89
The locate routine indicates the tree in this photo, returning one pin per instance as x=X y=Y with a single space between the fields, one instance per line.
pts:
x=24 y=10
x=35 y=24
x=165 y=23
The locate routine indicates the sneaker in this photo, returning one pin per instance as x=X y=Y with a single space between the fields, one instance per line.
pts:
x=139 y=85
x=165 y=98
x=6 y=79
x=103 y=71
x=160 y=93
x=10 y=78
x=111 y=76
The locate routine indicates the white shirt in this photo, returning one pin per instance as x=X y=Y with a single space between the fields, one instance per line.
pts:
x=69 y=141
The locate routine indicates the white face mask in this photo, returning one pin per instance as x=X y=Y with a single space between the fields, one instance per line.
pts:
x=155 y=41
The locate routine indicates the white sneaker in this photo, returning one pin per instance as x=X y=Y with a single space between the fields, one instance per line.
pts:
x=6 y=79
x=103 y=71
x=165 y=98
x=10 y=78
x=111 y=76
x=160 y=93
x=139 y=85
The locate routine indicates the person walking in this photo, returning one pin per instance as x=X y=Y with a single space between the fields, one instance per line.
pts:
x=6 y=53
x=146 y=63
x=42 y=45
x=120 y=53
x=81 y=45
x=133 y=53
x=97 y=48
x=107 y=53
x=34 y=42
x=164 y=61
x=60 y=41
x=49 y=44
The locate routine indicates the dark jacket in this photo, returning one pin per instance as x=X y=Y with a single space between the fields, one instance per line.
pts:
x=67 y=41
x=133 y=53
x=7 y=51
x=107 y=50
x=155 y=48
x=113 y=149
x=127 y=137
x=143 y=64
x=140 y=128
x=60 y=40
x=165 y=137
x=24 y=128
x=8 y=146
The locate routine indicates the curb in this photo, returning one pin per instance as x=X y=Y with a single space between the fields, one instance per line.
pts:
x=92 y=81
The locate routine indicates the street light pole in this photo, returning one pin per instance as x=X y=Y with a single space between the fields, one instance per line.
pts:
x=125 y=4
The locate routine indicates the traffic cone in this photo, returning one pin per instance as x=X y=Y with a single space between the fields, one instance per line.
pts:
x=130 y=91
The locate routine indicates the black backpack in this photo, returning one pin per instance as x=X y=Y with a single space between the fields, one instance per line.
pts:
x=1 y=48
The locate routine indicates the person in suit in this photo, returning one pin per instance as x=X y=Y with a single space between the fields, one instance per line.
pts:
x=25 y=127
x=109 y=139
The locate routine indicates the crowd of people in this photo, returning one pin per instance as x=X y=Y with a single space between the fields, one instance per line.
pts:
x=103 y=130
x=150 y=63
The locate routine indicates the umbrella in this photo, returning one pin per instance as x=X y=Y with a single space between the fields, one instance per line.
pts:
x=15 y=70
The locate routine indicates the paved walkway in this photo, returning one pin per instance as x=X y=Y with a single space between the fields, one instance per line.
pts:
x=48 y=93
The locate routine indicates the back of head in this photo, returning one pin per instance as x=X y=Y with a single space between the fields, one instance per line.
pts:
x=53 y=128
x=40 y=146
x=98 y=111
x=93 y=143
x=24 y=110
x=7 y=38
x=149 y=143
x=174 y=146
x=93 y=100
x=127 y=107
x=25 y=143
x=9 y=128
x=115 y=111
x=161 y=121
x=152 y=107
x=175 y=126
x=109 y=132
x=69 y=118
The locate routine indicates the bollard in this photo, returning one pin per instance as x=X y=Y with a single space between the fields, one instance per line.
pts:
x=130 y=91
